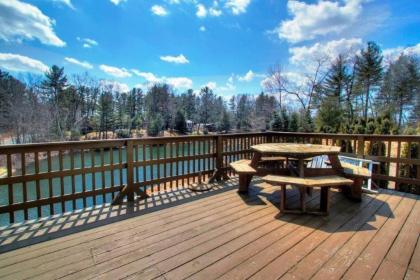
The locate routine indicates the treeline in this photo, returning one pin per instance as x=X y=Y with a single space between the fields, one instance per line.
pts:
x=351 y=94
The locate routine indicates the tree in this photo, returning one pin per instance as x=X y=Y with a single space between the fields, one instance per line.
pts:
x=224 y=124
x=401 y=85
x=329 y=118
x=105 y=114
x=369 y=72
x=276 y=122
x=54 y=84
x=155 y=126
x=180 y=124
x=294 y=122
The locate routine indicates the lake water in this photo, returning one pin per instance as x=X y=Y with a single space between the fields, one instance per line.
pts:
x=140 y=174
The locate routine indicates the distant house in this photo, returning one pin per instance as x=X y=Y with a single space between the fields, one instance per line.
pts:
x=190 y=125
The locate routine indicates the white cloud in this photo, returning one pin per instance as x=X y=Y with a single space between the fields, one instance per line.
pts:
x=114 y=86
x=247 y=77
x=150 y=77
x=87 y=42
x=201 y=11
x=202 y=28
x=180 y=59
x=159 y=10
x=176 y=82
x=215 y=12
x=83 y=64
x=321 y=18
x=237 y=6
x=211 y=85
x=117 y=2
x=330 y=50
x=20 y=63
x=392 y=54
x=66 y=2
x=19 y=20
x=115 y=71
x=179 y=82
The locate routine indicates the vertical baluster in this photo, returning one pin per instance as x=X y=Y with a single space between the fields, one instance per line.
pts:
x=144 y=165
x=111 y=168
x=194 y=152
x=171 y=156
x=61 y=166
x=50 y=184
x=199 y=154
x=83 y=167
x=73 y=183
x=189 y=160
x=158 y=163
x=164 y=163
x=103 y=175
x=38 y=186
x=10 y=187
x=92 y=158
x=137 y=162
x=24 y=190
x=151 y=165
x=397 y=184
x=120 y=159
x=177 y=163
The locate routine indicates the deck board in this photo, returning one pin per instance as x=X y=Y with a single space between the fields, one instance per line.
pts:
x=221 y=234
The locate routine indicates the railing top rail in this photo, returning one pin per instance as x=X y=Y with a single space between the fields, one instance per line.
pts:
x=117 y=142
x=353 y=136
x=121 y=142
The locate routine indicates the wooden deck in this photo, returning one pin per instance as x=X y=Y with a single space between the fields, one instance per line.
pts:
x=221 y=234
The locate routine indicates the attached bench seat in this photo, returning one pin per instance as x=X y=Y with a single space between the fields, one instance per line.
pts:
x=356 y=171
x=308 y=182
x=243 y=166
x=323 y=182
x=245 y=171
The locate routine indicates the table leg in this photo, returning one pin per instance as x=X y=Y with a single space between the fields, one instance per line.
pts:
x=325 y=200
x=245 y=179
x=301 y=170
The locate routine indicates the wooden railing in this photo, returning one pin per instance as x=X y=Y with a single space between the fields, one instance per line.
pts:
x=46 y=179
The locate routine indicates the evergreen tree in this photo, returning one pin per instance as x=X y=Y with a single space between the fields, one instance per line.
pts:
x=294 y=122
x=155 y=126
x=224 y=125
x=276 y=122
x=54 y=84
x=180 y=124
x=369 y=72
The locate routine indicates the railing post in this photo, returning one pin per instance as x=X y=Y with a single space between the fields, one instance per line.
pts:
x=361 y=146
x=219 y=172
x=269 y=136
x=130 y=174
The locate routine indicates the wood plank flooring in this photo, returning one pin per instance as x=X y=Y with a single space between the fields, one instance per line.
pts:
x=221 y=235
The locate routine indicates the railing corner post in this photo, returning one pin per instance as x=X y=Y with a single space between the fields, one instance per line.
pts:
x=130 y=174
x=360 y=146
x=219 y=171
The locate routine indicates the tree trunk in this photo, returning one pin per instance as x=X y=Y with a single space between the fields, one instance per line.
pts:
x=365 y=114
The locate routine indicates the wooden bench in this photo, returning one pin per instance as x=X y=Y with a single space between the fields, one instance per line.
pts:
x=245 y=171
x=358 y=174
x=323 y=182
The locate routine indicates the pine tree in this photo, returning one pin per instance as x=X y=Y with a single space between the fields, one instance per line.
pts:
x=294 y=122
x=369 y=72
x=276 y=122
x=180 y=124
x=224 y=125
x=54 y=84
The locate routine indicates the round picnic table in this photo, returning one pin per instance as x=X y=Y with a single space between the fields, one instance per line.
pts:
x=300 y=152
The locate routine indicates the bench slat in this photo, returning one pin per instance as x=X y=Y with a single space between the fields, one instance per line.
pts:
x=353 y=170
x=243 y=167
x=308 y=182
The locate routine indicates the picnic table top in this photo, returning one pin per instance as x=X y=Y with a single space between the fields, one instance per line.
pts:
x=296 y=150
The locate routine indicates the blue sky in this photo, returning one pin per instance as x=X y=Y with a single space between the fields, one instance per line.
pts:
x=226 y=44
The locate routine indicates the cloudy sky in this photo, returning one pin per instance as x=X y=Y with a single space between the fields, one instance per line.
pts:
x=226 y=44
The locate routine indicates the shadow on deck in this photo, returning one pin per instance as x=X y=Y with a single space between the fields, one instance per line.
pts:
x=180 y=234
